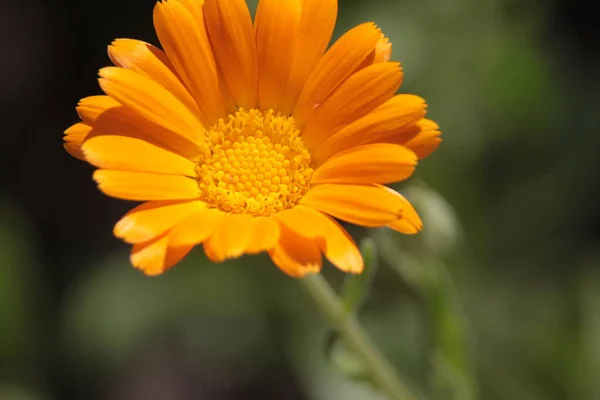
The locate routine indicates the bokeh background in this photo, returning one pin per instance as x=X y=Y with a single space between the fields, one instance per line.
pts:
x=498 y=298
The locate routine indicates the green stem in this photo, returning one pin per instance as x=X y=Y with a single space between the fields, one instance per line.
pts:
x=381 y=371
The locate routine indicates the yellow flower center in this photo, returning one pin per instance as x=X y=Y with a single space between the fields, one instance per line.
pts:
x=254 y=163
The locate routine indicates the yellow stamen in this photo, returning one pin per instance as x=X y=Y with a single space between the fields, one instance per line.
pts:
x=254 y=162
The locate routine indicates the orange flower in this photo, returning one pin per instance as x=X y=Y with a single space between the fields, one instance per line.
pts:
x=250 y=137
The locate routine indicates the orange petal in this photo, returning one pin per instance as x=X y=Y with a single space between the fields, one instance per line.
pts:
x=277 y=27
x=383 y=50
x=427 y=140
x=122 y=121
x=180 y=28
x=196 y=228
x=231 y=33
x=231 y=238
x=208 y=252
x=142 y=186
x=151 y=62
x=90 y=108
x=197 y=9
x=338 y=63
x=409 y=223
x=228 y=100
x=153 y=218
x=295 y=255
x=334 y=241
x=74 y=150
x=76 y=132
x=393 y=121
x=265 y=235
x=151 y=100
x=155 y=257
x=371 y=163
x=357 y=96
x=357 y=204
x=316 y=26
x=131 y=154
x=74 y=138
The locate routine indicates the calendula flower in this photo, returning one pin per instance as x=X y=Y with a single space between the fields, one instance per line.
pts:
x=249 y=137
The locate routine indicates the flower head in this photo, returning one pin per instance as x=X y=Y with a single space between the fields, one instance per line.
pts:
x=249 y=137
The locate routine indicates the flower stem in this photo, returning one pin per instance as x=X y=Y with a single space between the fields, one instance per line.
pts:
x=381 y=372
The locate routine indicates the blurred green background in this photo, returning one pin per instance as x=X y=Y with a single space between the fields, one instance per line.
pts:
x=498 y=298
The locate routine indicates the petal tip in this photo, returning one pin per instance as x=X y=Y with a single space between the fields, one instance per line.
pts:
x=108 y=72
x=74 y=151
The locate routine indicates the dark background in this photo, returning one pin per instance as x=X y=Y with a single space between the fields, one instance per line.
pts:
x=498 y=298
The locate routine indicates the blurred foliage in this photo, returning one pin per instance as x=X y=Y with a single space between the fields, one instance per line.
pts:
x=498 y=298
x=357 y=287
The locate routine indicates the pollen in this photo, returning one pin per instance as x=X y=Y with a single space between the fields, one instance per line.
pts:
x=254 y=163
